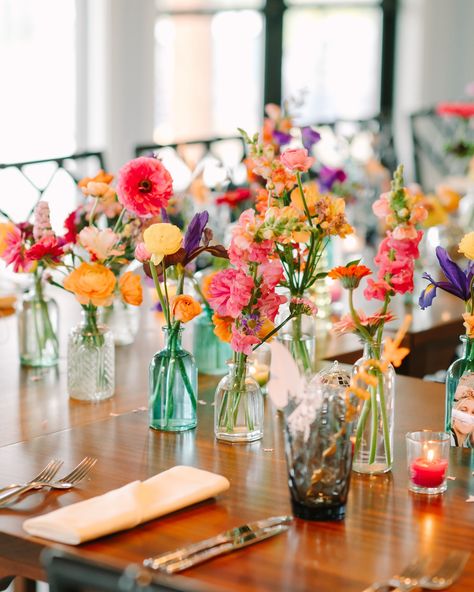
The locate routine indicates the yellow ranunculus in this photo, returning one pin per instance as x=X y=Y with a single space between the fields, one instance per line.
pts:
x=91 y=283
x=131 y=288
x=162 y=239
x=5 y=228
x=466 y=246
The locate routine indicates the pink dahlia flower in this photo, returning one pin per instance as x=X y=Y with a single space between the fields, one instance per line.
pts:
x=230 y=292
x=144 y=186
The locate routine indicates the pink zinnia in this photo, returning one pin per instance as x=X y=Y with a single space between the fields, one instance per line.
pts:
x=144 y=186
x=297 y=159
x=230 y=292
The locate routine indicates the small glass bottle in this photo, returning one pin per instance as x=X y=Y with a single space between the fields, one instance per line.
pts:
x=210 y=352
x=123 y=320
x=459 y=412
x=238 y=405
x=298 y=335
x=172 y=386
x=38 y=325
x=373 y=448
x=90 y=359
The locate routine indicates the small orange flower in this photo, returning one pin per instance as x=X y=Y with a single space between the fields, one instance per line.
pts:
x=131 y=288
x=184 y=308
x=469 y=324
x=223 y=327
x=350 y=275
x=266 y=328
x=91 y=283
x=101 y=177
x=205 y=284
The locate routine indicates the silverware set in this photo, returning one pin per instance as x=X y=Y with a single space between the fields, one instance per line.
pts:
x=225 y=542
x=46 y=478
x=418 y=575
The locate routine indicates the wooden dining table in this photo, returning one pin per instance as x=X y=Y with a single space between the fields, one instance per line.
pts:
x=385 y=526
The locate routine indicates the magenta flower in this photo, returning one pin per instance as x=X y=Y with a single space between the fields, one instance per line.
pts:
x=144 y=186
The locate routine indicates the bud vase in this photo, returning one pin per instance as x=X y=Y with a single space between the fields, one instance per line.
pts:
x=298 y=335
x=238 y=404
x=210 y=352
x=123 y=320
x=90 y=359
x=38 y=327
x=459 y=414
x=373 y=448
x=172 y=385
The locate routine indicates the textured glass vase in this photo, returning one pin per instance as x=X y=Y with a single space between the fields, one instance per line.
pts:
x=238 y=404
x=210 y=352
x=373 y=448
x=318 y=449
x=90 y=359
x=459 y=413
x=299 y=336
x=123 y=320
x=38 y=321
x=172 y=386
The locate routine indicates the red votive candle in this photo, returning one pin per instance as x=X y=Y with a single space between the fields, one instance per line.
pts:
x=428 y=473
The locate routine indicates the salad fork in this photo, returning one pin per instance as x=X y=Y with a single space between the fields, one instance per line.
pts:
x=406 y=580
x=41 y=475
x=66 y=482
x=446 y=574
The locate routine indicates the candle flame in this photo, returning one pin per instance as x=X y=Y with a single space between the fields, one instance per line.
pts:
x=430 y=455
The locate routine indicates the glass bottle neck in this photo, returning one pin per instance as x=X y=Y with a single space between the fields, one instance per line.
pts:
x=373 y=350
x=172 y=337
x=467 y=348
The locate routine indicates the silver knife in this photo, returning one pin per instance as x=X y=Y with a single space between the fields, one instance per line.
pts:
x=244 y=540
x=224 y=537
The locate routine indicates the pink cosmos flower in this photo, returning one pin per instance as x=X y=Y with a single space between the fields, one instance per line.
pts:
x=141 y=253
x=297 y=159
x=376 y=289
x=240 y=342
x=100 y=243
x=144 y=186
x=229 y=292
x=14 y=252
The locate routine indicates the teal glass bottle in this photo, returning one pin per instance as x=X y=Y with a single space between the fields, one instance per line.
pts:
x=210 y=352
x=459 y=412
x=172 y=386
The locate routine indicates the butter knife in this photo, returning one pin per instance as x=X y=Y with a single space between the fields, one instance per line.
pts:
x=239 y=542
x=224 y=537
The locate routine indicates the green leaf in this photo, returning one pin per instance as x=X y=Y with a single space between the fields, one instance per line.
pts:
x=354 y=262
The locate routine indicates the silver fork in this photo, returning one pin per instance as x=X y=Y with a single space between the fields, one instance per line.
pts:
x=41 y=475
x=66 y=482
x=406 y=580
x=48 y=475
x=448 y=573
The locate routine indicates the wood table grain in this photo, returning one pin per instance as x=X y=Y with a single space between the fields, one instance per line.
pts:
x=385 y=527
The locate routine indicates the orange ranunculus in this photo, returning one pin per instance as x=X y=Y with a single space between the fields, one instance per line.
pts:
x=266 y=328
x=101 y=177
x=184 y=308
x=206 y=282
x=92 y=283
x=131 y=288
x=223 y=327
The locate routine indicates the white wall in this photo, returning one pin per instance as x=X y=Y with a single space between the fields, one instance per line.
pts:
x=435 y=60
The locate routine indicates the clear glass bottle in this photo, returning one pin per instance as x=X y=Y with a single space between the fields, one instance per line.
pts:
x=459 y=412
x=373 y=448
x=172 y=386
x=298 y=335
x=210 y=352
x=90 y=359
x=238 y=405
x=38 y=325
x=122 y=319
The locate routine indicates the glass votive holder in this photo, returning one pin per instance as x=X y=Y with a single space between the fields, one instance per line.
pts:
x=260 y=361
x=427 y=461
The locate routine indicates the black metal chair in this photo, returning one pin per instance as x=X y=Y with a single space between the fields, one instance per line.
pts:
x=67 y=573
x=22 y=184
x=431 y=135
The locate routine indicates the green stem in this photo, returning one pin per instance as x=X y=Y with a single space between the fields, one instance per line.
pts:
x=164 y=304
x=305 y=205
x=92 y=214
x=386 y=427
x=119 y=221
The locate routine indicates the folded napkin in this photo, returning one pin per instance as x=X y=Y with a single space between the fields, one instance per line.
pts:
x=128 y=506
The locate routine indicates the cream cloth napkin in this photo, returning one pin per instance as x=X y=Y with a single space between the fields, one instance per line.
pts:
x=127 y=506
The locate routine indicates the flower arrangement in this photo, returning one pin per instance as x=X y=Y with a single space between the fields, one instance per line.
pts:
x=463 y=144
x=294 y=220
x=397 y=252
x=33 y=248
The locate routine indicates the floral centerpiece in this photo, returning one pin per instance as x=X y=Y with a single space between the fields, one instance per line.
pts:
x=395 y=259
x=459 y=282
x=34 y=249
x=296 y=218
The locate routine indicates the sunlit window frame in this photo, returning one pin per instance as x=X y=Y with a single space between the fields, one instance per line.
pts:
x=273 y=12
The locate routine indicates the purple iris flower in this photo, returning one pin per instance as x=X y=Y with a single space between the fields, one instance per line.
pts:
x=458 y=282
x=309 y=137
x=328 y=176
x=192 y=238
x=282 y=138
